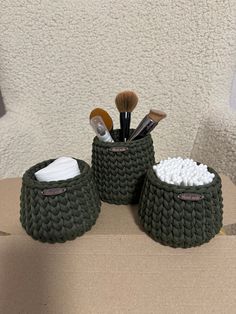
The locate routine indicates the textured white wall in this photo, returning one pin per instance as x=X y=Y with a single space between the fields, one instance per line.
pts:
x=60 y=59
x=215 y=143
x=233 y=93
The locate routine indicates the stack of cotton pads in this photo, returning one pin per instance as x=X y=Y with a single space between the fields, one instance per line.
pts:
x=184 y=172
x=62 y=168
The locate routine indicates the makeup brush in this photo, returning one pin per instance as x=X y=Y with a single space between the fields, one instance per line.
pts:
x=148 y=123
x=125 y=102
x=104 y=115
x=100 y=129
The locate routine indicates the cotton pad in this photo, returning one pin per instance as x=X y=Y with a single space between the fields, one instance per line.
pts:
x=62 y=168
x=184 y=172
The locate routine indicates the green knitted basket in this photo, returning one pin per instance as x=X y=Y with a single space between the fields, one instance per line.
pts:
x=181 y=216
x=119 y=168
x=60 y=210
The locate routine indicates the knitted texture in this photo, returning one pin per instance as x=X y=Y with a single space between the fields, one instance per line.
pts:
x=119 y=168
x=176 y=222
x=57 y=218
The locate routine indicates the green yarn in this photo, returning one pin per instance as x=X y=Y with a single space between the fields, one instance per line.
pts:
x=180 y=223
x=120 y=174
x=60 y=217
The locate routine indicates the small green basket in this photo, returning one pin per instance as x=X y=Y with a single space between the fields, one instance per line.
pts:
x=60 y=210
x=181 y=216
x=119 y=168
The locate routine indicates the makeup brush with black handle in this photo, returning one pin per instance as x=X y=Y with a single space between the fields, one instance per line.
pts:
x=149 y=122
x=125 y=102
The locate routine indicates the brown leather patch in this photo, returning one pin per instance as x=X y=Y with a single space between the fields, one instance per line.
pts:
x=118 y=149
x=53 y=191
x=190 y=197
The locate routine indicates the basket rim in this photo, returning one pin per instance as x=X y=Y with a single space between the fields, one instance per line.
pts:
x=30 y=180
x=153 y=178
x=97 y=142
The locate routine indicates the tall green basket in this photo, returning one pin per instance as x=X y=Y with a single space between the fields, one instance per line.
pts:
x=119 y=168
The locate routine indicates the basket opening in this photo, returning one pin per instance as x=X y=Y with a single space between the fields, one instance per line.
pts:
x=32 y=170
x=116 y=135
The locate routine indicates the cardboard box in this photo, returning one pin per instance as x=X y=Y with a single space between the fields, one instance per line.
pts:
x=114 y=268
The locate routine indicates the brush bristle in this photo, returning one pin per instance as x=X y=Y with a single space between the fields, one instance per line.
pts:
x=105 y=117
x=126 y=101
x=156 y=115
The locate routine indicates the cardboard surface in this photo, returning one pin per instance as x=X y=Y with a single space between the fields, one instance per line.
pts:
x=114 y=268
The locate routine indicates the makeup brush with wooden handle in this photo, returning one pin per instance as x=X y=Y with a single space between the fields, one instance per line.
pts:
x=105 y=117
x=148 y=123
x=125 y=102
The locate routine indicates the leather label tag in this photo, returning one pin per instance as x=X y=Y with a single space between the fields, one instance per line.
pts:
x=53 y=191
x=190 y=197
x=118 y=149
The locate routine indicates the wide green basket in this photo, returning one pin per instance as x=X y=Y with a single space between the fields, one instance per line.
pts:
x=60 y=210
x=181 y=216
x=119 y=168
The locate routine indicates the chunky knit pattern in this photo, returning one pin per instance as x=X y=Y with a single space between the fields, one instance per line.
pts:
x=60 y=217
x=119 y=168
x=176 y=222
